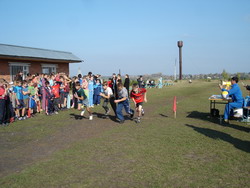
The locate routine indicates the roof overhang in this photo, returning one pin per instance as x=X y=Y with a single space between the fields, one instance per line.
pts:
x=23 y=58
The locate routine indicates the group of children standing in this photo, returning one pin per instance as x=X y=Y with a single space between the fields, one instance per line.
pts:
x=51 y=93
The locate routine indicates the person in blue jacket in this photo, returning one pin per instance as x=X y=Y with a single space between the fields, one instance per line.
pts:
x=236 y=95
x=97 y=91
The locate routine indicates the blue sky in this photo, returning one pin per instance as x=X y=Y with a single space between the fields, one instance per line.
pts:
x=136 y=36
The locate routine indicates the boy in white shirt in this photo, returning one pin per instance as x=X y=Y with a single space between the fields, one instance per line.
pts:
x=108 y=97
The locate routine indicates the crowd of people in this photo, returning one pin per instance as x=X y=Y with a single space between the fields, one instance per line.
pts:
x=24 y=98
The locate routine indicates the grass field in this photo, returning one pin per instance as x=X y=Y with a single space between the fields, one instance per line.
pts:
x=193 y=150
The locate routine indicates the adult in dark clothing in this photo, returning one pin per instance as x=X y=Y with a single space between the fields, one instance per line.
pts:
x=141 y=82
x=127 y=83
x=114 y=85
x=74 y=90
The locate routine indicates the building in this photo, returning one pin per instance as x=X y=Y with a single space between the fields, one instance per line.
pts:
x=33 y=60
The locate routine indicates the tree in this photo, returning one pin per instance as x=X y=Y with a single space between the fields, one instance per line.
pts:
x=224 y=75
x=238 y=75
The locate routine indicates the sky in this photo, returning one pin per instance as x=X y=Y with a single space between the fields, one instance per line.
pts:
x=135 y=36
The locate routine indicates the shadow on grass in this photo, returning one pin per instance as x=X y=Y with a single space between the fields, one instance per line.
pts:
x=103 y=116
x=163 y=115
x=239 y=144
x=206 y=117
x=77 y=116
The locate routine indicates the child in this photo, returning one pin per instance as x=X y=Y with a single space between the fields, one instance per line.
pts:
x=37 y=98
x=62 y=92
x=2 y=102
x=85 y=87
x=26 y=93
x=56 y=100
x=82 y=100
x=108 y=97
x=138 y=95
x=48 y=98
x=123 y=102
x=97 y=91
x=10 y=114
x=32 y=102
x=20 y=104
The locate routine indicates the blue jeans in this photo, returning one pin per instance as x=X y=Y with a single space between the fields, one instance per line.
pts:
x=97 y=99
x=231 y=106
x=119 y=108
x=91 y=97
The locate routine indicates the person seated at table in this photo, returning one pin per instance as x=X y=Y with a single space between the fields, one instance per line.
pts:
x=236 y=95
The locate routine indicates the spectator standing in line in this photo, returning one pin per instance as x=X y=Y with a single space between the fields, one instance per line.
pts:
x=127 y=82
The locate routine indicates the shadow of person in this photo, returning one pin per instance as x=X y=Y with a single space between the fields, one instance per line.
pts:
x=103 y=116
x=239 y=144
x=207 y=117
x=77 y=116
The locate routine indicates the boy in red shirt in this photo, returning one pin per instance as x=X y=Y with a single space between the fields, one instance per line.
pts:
x=138 y=95
x=56 y=98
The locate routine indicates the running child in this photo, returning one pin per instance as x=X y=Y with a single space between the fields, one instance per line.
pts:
x=82 y=100
x=138 y=95
x=123 y=101
x=108 y=97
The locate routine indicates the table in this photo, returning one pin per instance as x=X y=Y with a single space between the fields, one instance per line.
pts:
x=217 y=99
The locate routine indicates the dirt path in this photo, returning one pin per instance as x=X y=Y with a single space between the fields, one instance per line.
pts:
x=16 y=158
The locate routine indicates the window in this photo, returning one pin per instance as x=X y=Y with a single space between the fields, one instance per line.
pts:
x=49 y=68
x=16 y=67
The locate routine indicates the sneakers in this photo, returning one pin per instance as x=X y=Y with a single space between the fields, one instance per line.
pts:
x=82 y=113
x=90 y=117
x=56 y=112
x=121 y=121
x=142 y=112
x=138 y=120
x=107 y=112
x=132 y=115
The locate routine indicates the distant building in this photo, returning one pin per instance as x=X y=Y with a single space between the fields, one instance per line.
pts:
x=33 y=60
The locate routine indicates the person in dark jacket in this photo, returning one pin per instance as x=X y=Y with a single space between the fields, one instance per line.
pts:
x=127 y=82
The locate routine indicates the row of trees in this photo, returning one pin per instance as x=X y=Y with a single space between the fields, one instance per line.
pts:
x=214 y=76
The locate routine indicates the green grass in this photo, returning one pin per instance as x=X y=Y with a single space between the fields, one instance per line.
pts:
x=190 y=151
